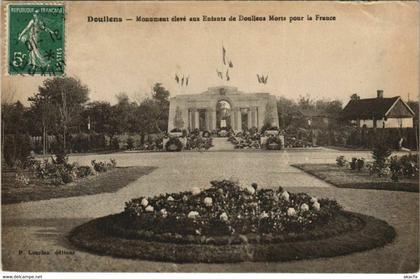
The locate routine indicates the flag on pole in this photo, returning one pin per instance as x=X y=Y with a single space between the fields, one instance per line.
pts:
x=186 y=81
x=227 y=75
x=177 y=78
x=224 y=55
x=182 y=81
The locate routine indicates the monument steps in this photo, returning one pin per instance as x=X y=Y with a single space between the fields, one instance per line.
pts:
x=222 y=144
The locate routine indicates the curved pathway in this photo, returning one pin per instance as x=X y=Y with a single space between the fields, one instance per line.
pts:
x=30 y=228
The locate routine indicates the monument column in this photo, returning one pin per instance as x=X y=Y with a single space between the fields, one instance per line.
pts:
x=210 y=119
x=239 y=119
x=236 y=113
x=197 y=119
x=249 y=118
x=207 y=119
x=214 y=119
x=257 y=120
x=253 y=117
x=233 y=117
x=190 y=123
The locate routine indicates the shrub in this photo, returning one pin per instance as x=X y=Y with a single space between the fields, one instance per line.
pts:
x=103 y=166
x=360 y=163
x=115 y=143
x=84 y=171
x=56 y=173
x=206 y=134
x=80 y=143
x=130 y=143
x=396 y=168
x=16 y=149
x=357 y=163
x=406 y=165
x=410 y=165
x=21 y=178
x=341 y=161
x=380 y=154
x=97 y=141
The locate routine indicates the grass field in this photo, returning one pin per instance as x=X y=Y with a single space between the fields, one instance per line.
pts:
x=111 y=181
x=346 y=178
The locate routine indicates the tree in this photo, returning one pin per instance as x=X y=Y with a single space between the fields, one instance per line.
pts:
x=334 y=107
x=98 y=114
x=160 y=97
x=153 y=113
x=15 y=139
x=7 y=98
x=306 y=103
x=64 y=98
x=288 y=112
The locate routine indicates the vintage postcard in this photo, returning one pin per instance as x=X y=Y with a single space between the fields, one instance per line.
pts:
x=210 y=136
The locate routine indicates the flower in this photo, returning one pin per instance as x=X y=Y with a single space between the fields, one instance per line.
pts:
x=250 y=190
x=193 y=215
x=285 y=196
x=208 y=201
x=314 y=200
x=304 y=207
x=223 y=217
x=170 y=198
x=149 y=208
x=144 y=202
x=317 y=206
x=264 y=215
x=291 y=211
x=164 y=213
x=195 y=191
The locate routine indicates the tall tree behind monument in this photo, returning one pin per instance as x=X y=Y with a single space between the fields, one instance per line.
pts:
x=64 y=98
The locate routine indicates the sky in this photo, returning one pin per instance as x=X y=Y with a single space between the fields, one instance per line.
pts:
x=370 y=46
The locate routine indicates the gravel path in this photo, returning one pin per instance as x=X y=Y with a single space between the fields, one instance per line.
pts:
x=43 y=225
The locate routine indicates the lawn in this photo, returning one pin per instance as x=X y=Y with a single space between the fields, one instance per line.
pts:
x=346 y=178
x=111 y=181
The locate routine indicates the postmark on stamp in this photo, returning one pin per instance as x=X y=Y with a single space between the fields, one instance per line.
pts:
x=36 y=39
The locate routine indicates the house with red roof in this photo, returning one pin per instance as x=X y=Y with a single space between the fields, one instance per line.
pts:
x=379 y=112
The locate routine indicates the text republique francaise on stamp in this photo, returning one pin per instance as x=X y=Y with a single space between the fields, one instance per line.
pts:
x=36 y=39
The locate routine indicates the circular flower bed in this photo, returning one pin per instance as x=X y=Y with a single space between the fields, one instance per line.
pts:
x=227 y=223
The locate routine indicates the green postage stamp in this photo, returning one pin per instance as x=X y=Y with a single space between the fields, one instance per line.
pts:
x=36 y=39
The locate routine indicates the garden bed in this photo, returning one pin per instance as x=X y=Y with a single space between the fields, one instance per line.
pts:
x=37 y=189
x=228 y=223
x=97 y=236
x=347 y=178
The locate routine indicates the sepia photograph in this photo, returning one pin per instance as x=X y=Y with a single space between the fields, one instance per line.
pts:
x=210 y=137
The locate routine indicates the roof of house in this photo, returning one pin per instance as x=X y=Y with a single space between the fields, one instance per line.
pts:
x=369 y=108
